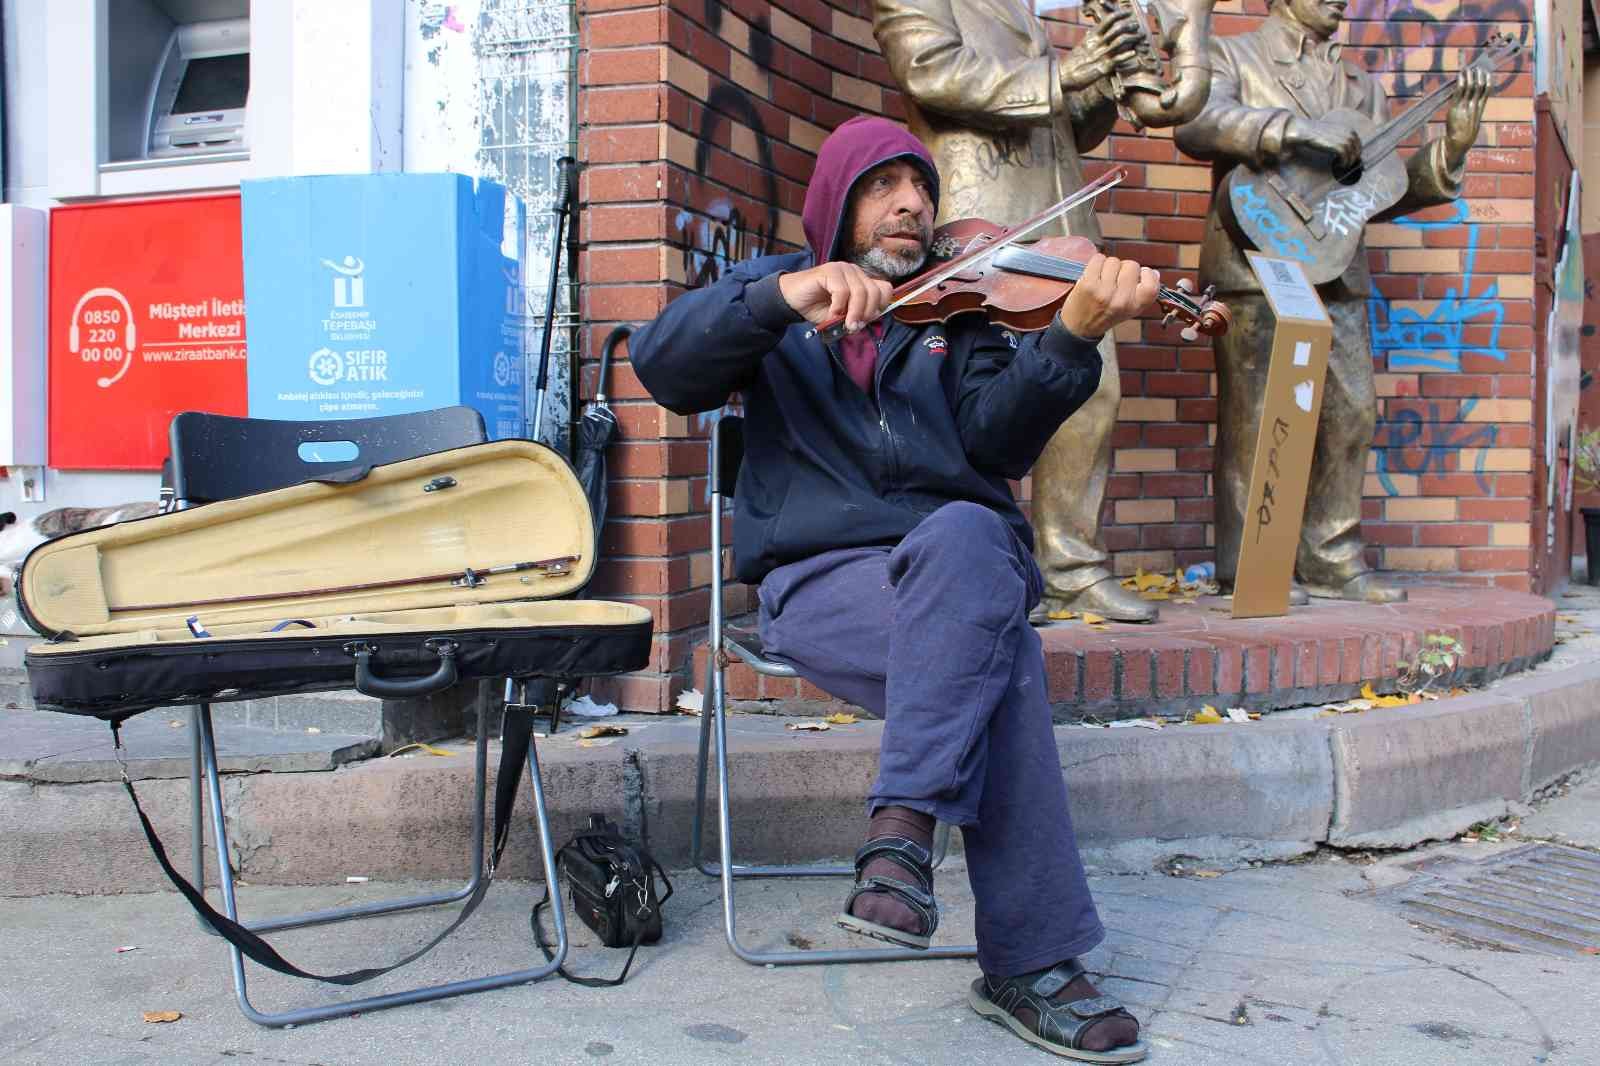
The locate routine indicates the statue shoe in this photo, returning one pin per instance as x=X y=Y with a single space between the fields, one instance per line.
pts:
x=1369 y=587
x=1105 y=597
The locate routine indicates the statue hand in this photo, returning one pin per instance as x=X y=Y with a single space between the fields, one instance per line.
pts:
x=1342 y=144
x=1111 y=44
x=1466 y=113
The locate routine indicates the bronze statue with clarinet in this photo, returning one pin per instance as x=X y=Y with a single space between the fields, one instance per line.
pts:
x=1006 y=116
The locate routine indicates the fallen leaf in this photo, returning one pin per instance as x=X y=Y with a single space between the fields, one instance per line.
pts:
x=691 y=702
x=158 y=1016
x=809 y=726
x=840 y=718
x=1383 y=701
x=1155 y=594
x=1208 y=874
x=1062 y=616
x=602 y=731
x=428 y=748
x=1206 y=715
x=1092 y=619
x=1143 y=581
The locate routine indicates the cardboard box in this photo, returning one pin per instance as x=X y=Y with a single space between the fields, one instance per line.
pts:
x=377 y=294
x=1281 y=469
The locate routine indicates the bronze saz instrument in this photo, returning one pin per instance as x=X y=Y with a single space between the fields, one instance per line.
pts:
x=1309 y=210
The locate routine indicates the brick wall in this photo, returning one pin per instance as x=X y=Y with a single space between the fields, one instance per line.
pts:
x=699 y=120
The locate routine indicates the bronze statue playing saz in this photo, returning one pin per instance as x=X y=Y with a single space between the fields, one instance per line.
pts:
x=1318 y=155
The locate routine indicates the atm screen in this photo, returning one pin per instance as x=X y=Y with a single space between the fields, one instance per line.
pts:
x=214 y=83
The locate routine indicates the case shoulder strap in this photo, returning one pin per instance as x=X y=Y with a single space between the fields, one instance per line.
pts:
x=516 y=731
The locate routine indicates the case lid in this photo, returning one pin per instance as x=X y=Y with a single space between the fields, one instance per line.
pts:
x=501 y=521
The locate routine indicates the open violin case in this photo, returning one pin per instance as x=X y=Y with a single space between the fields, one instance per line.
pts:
x=395 y=580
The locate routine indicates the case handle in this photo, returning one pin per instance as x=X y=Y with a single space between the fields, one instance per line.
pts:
x=370 y=684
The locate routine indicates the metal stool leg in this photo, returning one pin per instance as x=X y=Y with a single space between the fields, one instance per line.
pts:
x=417 y=995
x=729 y=915
x=197 y=812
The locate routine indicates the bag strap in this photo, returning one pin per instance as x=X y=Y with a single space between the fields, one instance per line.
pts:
x=515 y=731
x=648 y=863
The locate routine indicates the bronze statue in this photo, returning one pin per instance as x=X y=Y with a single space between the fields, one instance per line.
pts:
x=1284 y=103
x=1006 y=118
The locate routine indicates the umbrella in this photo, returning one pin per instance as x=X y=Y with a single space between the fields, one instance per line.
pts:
x=596 y=429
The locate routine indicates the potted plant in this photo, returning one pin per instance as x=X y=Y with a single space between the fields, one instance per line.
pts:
x=1586 y=461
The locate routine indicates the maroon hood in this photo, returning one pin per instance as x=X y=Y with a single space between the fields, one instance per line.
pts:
x=849 y=152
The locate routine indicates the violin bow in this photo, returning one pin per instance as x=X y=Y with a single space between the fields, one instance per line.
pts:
x=976 y=256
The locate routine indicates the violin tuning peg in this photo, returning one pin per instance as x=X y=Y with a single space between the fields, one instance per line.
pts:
x=1209 y=295
x=1190 y=333
x=1185 y=284
x=1166 y=319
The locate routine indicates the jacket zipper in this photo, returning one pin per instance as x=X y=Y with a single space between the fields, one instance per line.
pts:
x=891 y=482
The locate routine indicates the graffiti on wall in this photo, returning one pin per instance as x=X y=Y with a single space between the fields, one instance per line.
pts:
x=1436 y=340
x=1417 y=439
x=723 y=236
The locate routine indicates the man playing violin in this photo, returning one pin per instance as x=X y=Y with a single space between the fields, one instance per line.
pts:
x=895 y=568
x=1269 y=92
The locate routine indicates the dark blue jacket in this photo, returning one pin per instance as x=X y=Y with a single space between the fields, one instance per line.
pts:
x=957 y=408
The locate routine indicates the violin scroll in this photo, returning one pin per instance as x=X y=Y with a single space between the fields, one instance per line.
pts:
x=1202 y=314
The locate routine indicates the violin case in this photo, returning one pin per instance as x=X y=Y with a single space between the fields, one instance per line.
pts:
x=395 y=580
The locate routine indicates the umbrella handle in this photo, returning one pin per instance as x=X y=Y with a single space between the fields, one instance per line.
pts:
x=617 y=335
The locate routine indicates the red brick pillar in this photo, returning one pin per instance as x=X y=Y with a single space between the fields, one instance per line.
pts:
x=698 y=124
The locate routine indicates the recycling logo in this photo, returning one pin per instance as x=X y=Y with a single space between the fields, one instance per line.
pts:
x=325 y=368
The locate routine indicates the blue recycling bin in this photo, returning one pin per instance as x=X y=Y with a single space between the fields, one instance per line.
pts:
x=377 y=294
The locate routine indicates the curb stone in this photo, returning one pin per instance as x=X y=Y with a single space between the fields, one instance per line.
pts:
x=1226 y=793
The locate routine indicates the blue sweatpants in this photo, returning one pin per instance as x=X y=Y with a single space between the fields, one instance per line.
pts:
x=933 y=634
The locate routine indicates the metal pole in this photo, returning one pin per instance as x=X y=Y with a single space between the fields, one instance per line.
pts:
x=566 y=200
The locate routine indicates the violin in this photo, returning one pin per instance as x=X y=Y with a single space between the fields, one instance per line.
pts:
x=1021 y=287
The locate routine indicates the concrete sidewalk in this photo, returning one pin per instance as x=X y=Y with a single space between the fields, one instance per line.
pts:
x=1310 y=962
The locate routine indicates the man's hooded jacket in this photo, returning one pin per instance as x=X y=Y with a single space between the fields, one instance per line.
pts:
x=955 y=408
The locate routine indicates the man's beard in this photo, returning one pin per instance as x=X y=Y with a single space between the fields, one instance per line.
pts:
x=892 y=265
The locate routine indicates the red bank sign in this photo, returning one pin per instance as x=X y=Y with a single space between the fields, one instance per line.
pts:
x=146 y=320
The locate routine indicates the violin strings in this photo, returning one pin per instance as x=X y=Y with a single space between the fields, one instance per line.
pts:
x=1057 y=269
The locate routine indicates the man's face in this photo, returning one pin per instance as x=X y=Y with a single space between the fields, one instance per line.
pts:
x=891 y=220
x=1321 y=17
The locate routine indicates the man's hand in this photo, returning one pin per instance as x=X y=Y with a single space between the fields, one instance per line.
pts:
x=1110 y=45
x=1466 y=113
x=1344 y=145
x=1111 y=291
x=833 y=290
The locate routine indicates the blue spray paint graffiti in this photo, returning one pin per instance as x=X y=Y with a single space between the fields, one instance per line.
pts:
x=1435 y=341
x=1253 y=207
x=1405 y=429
